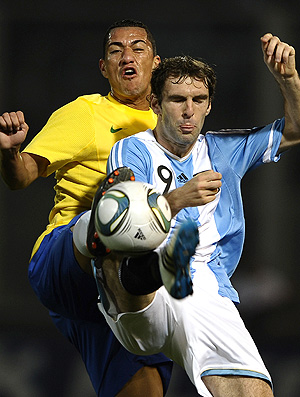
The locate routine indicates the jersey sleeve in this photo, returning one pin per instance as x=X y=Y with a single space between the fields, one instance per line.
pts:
x=131 y=152
x=67 y=135
x=244 y=150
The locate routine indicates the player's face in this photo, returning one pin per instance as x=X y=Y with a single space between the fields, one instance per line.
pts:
x=181 y=114
x=128 y=63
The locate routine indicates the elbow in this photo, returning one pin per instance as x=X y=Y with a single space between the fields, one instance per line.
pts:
x=15 y=187
x=289 y=139
x=14 y=184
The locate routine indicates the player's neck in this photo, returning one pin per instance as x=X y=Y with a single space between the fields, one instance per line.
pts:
x=175 y=148
x=140 y=103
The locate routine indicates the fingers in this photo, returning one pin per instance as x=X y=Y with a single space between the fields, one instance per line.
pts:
x=198 y=191
x=12 y=122
x=210 y=176
x=279 y=50
x=275 y=50
x=209 y=182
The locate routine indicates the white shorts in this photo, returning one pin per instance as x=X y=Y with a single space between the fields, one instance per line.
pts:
x=203 y=333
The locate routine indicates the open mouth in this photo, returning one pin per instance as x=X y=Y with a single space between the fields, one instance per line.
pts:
x=129 y=72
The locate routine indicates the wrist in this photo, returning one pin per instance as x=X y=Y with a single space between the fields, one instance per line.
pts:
x=11 y=154
x=174 y=201
x=288 y=82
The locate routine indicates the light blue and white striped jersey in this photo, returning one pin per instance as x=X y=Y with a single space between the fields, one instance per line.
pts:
x=221 y=223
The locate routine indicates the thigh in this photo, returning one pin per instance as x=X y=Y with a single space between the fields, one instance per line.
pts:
x=57 y=279
x=237 y=386
x=211 y=338
x=147 y=331
x=72 y=296
x=146 y=378
x=109 y=365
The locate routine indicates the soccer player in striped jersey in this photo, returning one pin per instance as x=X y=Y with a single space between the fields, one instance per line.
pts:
x=201 y=177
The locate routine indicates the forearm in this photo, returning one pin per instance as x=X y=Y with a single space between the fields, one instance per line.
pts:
x=17 y=170
x=200 y=190
x=290 y=89
x=280 y=60
x=175 y=200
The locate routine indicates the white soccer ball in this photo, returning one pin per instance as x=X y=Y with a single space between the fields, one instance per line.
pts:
x=132 y=217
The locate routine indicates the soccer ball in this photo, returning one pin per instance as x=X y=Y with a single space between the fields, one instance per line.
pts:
x=132 y=217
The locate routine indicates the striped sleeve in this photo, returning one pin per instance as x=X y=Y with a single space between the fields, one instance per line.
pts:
x=133 y=153
x=245 y=150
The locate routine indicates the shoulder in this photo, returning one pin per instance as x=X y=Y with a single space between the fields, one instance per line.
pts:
x=225 y=132
x=92 y=99
x=89 y=100
x=144 y=137
x=239 y=133
x=137 y=143
x=81 y=103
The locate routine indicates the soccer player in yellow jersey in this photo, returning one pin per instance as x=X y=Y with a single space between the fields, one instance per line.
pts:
x=75 y=144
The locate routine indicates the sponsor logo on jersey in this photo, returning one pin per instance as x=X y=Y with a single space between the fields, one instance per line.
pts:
x=182 y=178
x=114 y=130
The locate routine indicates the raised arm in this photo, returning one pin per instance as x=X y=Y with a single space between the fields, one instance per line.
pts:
x=18 y=170
x=200 y=190
x=280 y=60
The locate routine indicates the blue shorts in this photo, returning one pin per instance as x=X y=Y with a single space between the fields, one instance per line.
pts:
x=71 y=296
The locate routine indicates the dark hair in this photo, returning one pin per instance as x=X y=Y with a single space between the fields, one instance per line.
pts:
x=182 y=67
x=129 y=23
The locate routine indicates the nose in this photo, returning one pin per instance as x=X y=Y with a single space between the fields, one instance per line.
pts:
x=127 y=56
x=188 y=110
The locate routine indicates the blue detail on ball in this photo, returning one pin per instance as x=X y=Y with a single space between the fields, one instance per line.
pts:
x=118 y=218
x=152 y=201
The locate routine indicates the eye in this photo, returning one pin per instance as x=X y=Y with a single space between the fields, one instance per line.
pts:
x=139 y=46
x=199 y=99
x=178 y=100
x=138 y=49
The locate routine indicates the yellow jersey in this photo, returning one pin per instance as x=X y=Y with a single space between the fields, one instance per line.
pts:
x=77 y=140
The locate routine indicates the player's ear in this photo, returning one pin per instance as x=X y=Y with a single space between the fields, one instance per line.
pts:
x=102 y=67
x=154 y=104
x=156 y=62
x=208 y=109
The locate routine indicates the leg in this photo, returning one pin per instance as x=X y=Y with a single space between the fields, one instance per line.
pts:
x=111 y=368
x=123 y=300
x=131 y=284
x=86 y=242
x=172 y=269
x=175 y=260
x=63 y=287
x=237 y=386
x=146 y=381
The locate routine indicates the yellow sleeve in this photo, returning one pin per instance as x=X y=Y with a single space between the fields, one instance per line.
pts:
x=67 y=135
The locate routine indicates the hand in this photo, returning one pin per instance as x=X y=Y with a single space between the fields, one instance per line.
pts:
x=278 y=56
x=13 y=130
x=200 y=190
x=203 y=188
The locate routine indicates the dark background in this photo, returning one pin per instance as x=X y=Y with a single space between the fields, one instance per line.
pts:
x=49 y=53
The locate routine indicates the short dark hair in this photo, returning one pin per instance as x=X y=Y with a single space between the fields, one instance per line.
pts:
x=129 y=23
x=182 y=67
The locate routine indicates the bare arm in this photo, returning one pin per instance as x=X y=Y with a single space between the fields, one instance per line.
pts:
x=17 y=170
x=280 y=60
x=200 y=190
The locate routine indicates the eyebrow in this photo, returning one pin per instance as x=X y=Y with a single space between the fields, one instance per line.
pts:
x=120 y=44
x=175 y=96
